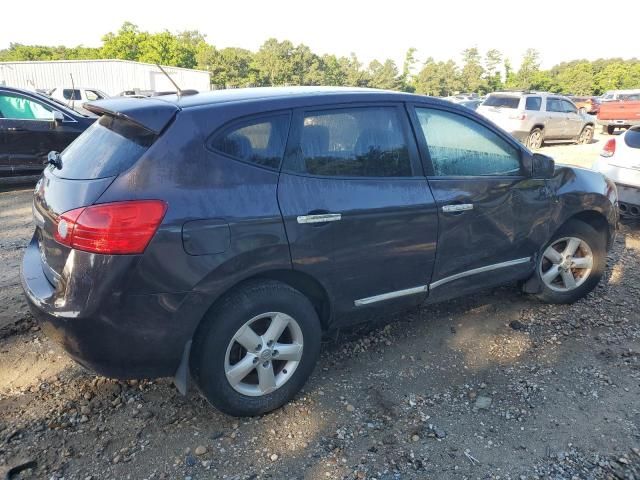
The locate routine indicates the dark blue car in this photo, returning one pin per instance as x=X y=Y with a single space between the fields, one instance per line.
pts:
x=219 y=234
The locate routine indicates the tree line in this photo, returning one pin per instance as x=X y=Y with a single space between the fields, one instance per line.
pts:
x=283 y=63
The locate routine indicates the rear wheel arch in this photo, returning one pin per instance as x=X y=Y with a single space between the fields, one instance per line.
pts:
x=304 y=283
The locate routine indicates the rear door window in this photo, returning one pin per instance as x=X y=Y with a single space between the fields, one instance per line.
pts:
x=502 y=101
x=260 y=141
x=554 y=105
x=533 y=103
x=108 y=147
x=353 y=142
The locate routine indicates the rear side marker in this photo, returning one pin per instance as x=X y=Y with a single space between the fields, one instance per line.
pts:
x=117 y=228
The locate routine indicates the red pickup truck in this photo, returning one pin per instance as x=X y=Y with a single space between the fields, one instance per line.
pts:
x=623 y=113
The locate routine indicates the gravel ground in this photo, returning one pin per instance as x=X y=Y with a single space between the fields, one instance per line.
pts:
x=495 y=385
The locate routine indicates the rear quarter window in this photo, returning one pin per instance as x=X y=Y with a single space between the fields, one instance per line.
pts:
x=260 y=141
x=533 y=103
x=108 y=147
x=501 y=101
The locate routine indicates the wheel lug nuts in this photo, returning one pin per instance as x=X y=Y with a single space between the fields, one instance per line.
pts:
x=275 y=352
x=255 y=360
x=259 y=347
x=265 y=364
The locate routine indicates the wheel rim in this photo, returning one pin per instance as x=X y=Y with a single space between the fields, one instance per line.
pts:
x=263 y=354
x=586 y=136
x=566 y=264
x=535 y=141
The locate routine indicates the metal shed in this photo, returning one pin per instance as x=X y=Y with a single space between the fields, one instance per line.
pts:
x=110 y=76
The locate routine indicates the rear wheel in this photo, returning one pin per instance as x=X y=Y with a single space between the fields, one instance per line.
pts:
x=572 y=264
x=610 y=129
x=586 y=136
x=535 y=139
x=257 y=348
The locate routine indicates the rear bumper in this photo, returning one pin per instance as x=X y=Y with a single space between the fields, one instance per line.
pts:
x=618 y=123
x=103 y=328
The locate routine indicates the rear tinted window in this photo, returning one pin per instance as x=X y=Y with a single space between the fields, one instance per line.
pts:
x=501 y=101
x=353 y=142
x=632 y=137
x=108 y=147
x=260 y=141
x=70 y=94
x=533 y=103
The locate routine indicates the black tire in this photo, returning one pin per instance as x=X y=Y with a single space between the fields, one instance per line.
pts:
x=209 y=350
x=535 y=139
x=586 y=135
x=597 y=243
x=610 y=129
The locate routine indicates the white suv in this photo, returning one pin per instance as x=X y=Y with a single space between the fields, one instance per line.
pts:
x=620 y=161
x=535 y=118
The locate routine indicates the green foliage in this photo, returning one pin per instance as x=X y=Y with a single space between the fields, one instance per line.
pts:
x=283 y=63
x=472 y=73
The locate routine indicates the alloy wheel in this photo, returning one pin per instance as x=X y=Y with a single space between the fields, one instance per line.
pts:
x=535 y=140
x=263 y=354
x=566 y=264
x=586 y=136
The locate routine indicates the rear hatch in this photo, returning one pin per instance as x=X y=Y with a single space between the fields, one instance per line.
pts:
x=87 y=167
x=498 y=108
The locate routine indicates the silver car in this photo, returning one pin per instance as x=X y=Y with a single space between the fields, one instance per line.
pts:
x=535 y=118
x=620 y=161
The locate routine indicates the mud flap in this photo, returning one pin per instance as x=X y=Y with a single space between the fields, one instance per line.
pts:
x=181 y=378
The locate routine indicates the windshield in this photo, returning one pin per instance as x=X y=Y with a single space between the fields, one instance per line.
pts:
x=107 y=148
x=501 y=101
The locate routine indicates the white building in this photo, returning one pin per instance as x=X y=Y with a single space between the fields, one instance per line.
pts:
x=110 y=76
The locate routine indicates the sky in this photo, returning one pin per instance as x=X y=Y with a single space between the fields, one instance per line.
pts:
x=560 y=30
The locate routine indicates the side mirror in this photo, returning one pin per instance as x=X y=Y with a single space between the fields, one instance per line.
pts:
x=58 y=118
x=542 y=166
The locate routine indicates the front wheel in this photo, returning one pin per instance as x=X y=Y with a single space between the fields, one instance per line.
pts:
x=256 y=349
x=572 y=264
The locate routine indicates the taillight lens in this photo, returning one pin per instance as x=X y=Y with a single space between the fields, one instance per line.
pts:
x=111 y=228
x=609 y=148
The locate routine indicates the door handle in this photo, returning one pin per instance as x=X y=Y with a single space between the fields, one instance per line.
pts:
x=457 y=207
x=320 y=218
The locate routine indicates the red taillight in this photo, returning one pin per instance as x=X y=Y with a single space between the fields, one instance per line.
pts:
x=609 y=148
x=111 y=228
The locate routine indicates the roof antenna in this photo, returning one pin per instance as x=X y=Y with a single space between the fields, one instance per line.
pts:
x=73 y=93
x=170 y=79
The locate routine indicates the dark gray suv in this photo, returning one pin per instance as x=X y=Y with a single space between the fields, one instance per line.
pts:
x=219 y=235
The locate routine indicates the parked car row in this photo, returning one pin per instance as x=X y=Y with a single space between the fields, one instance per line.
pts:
x=31 y=126
x=220 y=234
x=623 y=112
x=536 y=118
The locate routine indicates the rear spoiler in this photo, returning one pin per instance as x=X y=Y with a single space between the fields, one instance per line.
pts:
x=149 y=113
